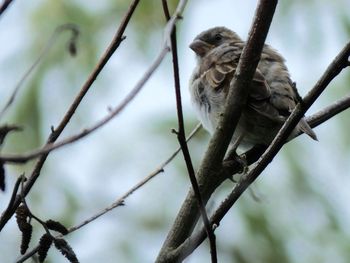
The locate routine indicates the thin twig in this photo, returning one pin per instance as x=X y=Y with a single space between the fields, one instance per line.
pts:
x=50 y=43
x=114 y=112
x=183 y=144
x=314 y=120
x=329 y=111
x=118 y=38
x=24 y=202
x=115 y=43
x=4 y=6
x=120 y=201
x=6 y=129
x=338 y=64
x=23 y=158
x=15 y=191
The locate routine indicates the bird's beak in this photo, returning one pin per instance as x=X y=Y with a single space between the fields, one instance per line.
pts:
x=200 y=47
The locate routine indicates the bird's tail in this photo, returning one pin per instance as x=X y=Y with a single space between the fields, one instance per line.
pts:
x=305 y=127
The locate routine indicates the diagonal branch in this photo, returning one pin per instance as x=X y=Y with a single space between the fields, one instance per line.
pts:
x=120 y=201
x=50 y=146
x=252 y=155
x=50 y=43
x=338 y=64
x=5 y=4
x=314 y=120
x=212 y=161
x=329 y=111
x=118 y=38
x=113 y=46
x=183 y=144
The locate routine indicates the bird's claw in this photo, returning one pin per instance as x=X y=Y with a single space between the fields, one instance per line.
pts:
x=242 y=160
x=243 y=165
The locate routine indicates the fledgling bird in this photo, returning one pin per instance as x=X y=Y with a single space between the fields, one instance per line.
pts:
x=272 y=94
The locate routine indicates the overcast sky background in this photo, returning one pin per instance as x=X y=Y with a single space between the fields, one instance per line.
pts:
x=101 y=167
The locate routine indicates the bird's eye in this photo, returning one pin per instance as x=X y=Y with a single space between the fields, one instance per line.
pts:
x=218 y=37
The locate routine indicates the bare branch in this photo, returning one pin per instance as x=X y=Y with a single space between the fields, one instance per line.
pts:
x=50 y=43
x=15 y=191
x=339 y=63
x=57 y=132
x=6 y=129
x=23 y=158
x=183 y=144
x=232 y=166
x=120 y=201
x=329 y=112
x=212 y=161
x=109 y=52
x=4 y=6
x=50 y=146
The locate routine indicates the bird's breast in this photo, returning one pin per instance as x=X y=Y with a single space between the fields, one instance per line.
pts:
x=208 y=103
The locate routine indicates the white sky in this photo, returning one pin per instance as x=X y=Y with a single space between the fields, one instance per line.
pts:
x=116 y=174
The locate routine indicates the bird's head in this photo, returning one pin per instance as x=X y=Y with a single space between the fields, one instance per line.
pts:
x=212 y=38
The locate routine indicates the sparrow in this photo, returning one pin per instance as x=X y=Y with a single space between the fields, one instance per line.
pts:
x=272 y=95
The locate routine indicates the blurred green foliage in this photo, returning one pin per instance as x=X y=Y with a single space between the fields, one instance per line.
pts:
x=264 y=239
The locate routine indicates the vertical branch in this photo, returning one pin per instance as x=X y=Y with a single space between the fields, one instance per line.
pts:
x=211 y=164
x=182 y=140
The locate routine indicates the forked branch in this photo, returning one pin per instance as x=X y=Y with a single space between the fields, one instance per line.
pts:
x=212 y=161
x=118 y=38
x=337 y=65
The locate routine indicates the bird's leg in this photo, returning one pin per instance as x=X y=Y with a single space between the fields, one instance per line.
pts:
x=232 y=154
x=235 y=144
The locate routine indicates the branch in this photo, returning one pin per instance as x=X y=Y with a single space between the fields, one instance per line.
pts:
x=329 y=112
x=338 y=64
x=212 y=161
x=72 y=43
x=4 y=6
x=23 y=158
x=15 y=191
x=50 y=146
x=183 y=144
x=113 y=46
x=153 y=174
x=118 y=38
x=120 y=201
x=5 y=130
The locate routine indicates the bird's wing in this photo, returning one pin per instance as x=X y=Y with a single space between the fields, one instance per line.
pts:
x=271 y=104
x=275 y=104
x=222 y=63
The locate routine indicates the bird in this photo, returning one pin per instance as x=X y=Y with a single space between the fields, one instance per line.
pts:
x=272 y=94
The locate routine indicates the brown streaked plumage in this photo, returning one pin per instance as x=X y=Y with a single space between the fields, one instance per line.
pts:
x=272 y=94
